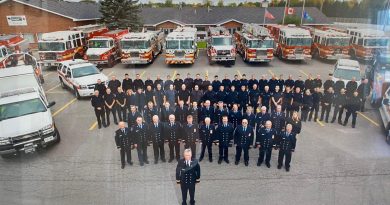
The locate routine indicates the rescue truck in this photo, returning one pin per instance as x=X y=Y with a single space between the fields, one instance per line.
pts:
x=141 y=47
x=180 y=46
x=330 y=44
x=366 y=42
x=291 y=42
x=220 y=46
x=11 y=44
x=254 y=43
x=59 y=46
x=105 y=49
x=23 y=61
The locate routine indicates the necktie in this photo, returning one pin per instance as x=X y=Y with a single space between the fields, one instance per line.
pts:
x=244 y=129
x=207 y=127
x=123 y=130
x=155 y=125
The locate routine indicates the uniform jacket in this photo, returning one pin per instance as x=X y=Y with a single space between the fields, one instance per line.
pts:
x=204 y=112
x=181 y=113
x=353 y=104
x=172 y=132
x=265 y=138
x=156 y=133
x=132 y=117
x=243 y=138
x=278 y=121
x=224 y=134
x=123 y=139
x=251 y=119
x=296 y=125
x=149 y=113
x=191 y=133
x=287 y=142
x=207 y=134
x=235 y=118
x=262 y=118
x=219 y=113
x=188 y=175
x=165 y=113
x=141 y=135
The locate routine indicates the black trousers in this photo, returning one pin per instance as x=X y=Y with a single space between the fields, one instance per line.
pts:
x=142 y=151
x=314 y=109
x=362 y=104
x=158 y=149
x=185 y=188
x=265 y=152
x=100 y=117
x=209 y=150
x=305 y=113
x=113 y=111
x=282 y=154
x=123 y=153
x=223 y=152
x=354 y=115
x=239 y=150
x=338 y=111
x=192 y=146
x=122 y=113
x=174 y=148
x=325 y=110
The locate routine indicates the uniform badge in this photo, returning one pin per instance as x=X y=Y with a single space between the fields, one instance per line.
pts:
x=249 y=134
x=194 y=130
x=211 y=132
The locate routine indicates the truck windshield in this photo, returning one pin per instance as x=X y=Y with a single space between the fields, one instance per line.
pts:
x=261 y=44
x=337 y=42
x=346 y=74
x=51 y=46
x=173 y=44
x=84 y=71
x=186 y=44
x=222 y=41
x=21 y=108
x=299 y=41
x=98 y=44
x=376 y=42
x=19 y=81
x=135 y=44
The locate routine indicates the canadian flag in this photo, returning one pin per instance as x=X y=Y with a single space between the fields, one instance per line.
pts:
x=290 y=11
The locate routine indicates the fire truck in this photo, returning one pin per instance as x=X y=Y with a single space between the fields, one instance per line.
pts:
x=181 y=46
x=330 y=44
x=254 y=43
x=11 y=44
x=105 y=49
x=291 y=42
x=59 y=46
x=366 y=42
x=141 y=47
x=220 y=46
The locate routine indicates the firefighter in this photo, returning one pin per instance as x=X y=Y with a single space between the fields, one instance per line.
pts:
x=254 y=96
x=250 y=116
x=140 y=100
x=364 y=92
x=149 y=94
x=278 y=119
x=189 y=82
x=243 y=98
x=244 y=81
x=167 y=83
x=299 y=83
x=297 y=101
x=216 y=83
x=149 y=112
x=158 y=81
x=166 y=112
x=272 y=83
x=243 y=136
x=262 y=117
x=276 y=98
x=329 y=83
x=206 y=83
x=194 y=111
x=178 y=82
x=317 y=96
x=209 y=95
x=235 y=116
x=191 y=134
x=338 y=85
x=231 y=97
x=265 y=142
x=159 y=97
x=221 y=94
x=121 y=105
x=252 y=82
x=138 y=83
x=339 y=105
x=123 y=142
x=141 y=140
x=236 y=82
x=198 y=81
x=184 y=94
x=266 y=97
x=149 y=82
x=196 y=95
x=109 y=100
x=326 y=104
x=219 y=112
x=309 y=83
x=98 y=105
x=187 y=175
x=227 y=83
x=306 y=105
x=289 y=82
x=206 y=111
x=286 y=146
x=157 y=137
x=317 y=82
x=351 y=87
x=100 y=87
x=206 y=132
x=287 y=100
x=353 y=105
x=181 y=112
x=224 y=134
x=262 y=83
x=132 y=116
x=172 y=133
x=114 y=84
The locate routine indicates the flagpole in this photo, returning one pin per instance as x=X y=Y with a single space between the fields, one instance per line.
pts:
x=265 y=10
x=284 y=13
x=303 y=10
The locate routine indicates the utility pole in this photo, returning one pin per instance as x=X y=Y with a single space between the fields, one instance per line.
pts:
x=303 y=11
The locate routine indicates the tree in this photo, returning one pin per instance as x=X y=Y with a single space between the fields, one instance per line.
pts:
x=168 y=3
x=220 y=3
x=120 y=14
x=291 y=19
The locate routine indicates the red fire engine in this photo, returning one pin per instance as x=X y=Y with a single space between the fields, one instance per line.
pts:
x=330 y=44
x=11 y=44
x=105 y=49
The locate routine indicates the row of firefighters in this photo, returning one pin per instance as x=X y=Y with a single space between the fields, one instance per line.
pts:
x=254 y=43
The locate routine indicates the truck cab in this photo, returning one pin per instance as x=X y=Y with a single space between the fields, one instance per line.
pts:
x=345 y=70
x=220 y=46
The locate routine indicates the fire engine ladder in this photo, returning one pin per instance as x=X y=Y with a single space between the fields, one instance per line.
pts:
x=256 y=30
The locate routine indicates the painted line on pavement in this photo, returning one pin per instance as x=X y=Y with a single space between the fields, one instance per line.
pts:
x=64 y=107
x=173 y=75
x=270 y=72
x=207 y=73
x=143 y=73
x=303 y=72
x=53 y=88
x=369 y=119
x=320 y=123
x=239 y=73
x=93 y=126
x=47 y=74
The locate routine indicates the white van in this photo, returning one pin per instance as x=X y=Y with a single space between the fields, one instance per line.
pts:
x=346 y=69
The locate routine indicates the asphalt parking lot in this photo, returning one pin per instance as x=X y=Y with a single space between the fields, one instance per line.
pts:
x=332 y=164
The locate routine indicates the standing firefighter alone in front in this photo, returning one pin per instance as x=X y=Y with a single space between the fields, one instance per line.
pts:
x=187 y=175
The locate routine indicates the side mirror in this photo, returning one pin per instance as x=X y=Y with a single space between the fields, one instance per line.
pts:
x=51 y=104
x=68 y=75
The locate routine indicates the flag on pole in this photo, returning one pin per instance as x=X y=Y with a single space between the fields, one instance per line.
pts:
x=307 y=16
x=289 y=11
x=268 y=15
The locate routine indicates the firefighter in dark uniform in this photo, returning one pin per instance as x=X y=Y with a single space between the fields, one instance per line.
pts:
x=132 y=116
x=235 y=116
x=252 y=81
x=244 y=81
x=189 y=82
x=286 y=145
x=262 y=117
x=178 y=82
x=317 y=97
x=299 y=83
x=329 y=82
x=250 y=116
x=157 y=137
x=227 y=83
x=216 y=84
x=326 y=104
x=149 y=112
x=297 y=101
x=121 y=104
x=289 y=82
x=265 y=142
x=198 y=81
x=243 y=98
x=309 y=83
x=98 y=105
x=206 y=84
x=339 y=105
x=224 y=134
x=266 y=97
x=206 y=132
x=181 y=112
x=100 y=87
x=262 y=83
x=172 y=133
x=191 y=134
x=206 y=111
x=138 y=83
x=254 y=96
x=194 y=111
x=187 y=175
x=351 y=87
x=231 y=97
x=109 y=100
x=209 y=95
x=272 y=83
x=221 y=94
x=166 y=111
x=114 y=84
x=236 y=82
x=243 y=136
x=278 y=119
x=141 y=140
x=338 y=85
x=123 y=142
x=219 y=112
x=287 y=99
x=353 y=105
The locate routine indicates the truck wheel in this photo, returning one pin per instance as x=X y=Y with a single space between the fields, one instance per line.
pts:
x=111 y=62
x=316 y=54
x=352 y=53
x=280 y=55
x=77 y=56
x=76 y=93
x=41 y=79
x=58 y=140
x=233 y=62
x=62 y=84
x=10 y=156
x=245 y=58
